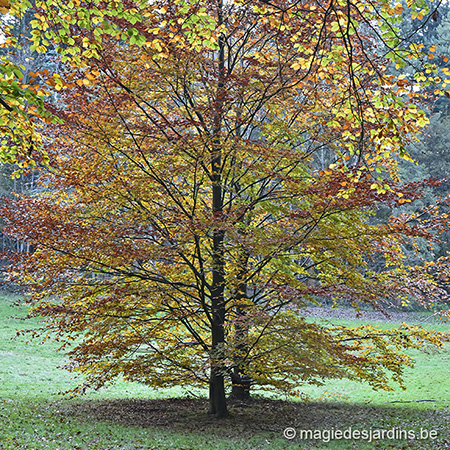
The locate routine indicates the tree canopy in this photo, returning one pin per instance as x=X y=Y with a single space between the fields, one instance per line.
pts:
x=182 y=225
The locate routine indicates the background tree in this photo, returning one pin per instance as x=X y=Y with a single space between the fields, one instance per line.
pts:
x=430 y=152
x=182 y=228
x=22 y=112
x=16 y=53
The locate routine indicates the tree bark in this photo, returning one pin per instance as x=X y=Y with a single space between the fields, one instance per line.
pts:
x=217 y=397
x=241 y=382
x=241 y=385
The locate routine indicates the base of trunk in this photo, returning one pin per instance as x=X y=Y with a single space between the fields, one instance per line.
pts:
x=240 y=393
x=217 y=397
x=241 y=387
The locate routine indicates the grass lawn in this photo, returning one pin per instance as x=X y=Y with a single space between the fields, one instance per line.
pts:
x=131 y=416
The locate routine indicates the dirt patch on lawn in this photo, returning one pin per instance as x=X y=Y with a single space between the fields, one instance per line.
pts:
x=258 y=416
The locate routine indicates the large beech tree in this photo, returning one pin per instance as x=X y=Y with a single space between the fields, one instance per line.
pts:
x=181 y=226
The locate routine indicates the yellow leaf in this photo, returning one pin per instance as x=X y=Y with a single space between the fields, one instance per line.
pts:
x=4 y=6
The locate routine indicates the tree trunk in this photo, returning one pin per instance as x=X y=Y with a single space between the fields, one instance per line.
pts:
x=240 y=385
x=217 y=397
x=241 y=382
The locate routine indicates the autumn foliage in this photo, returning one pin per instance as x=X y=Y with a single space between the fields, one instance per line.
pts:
x=184 y=220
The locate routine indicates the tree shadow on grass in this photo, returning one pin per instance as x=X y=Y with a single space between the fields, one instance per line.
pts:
x=264 y=416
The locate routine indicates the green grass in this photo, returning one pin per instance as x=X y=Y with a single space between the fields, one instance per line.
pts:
x=131 y=416
x=428 y=379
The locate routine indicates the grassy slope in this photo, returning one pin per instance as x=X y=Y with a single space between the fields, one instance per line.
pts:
x=130 y=416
